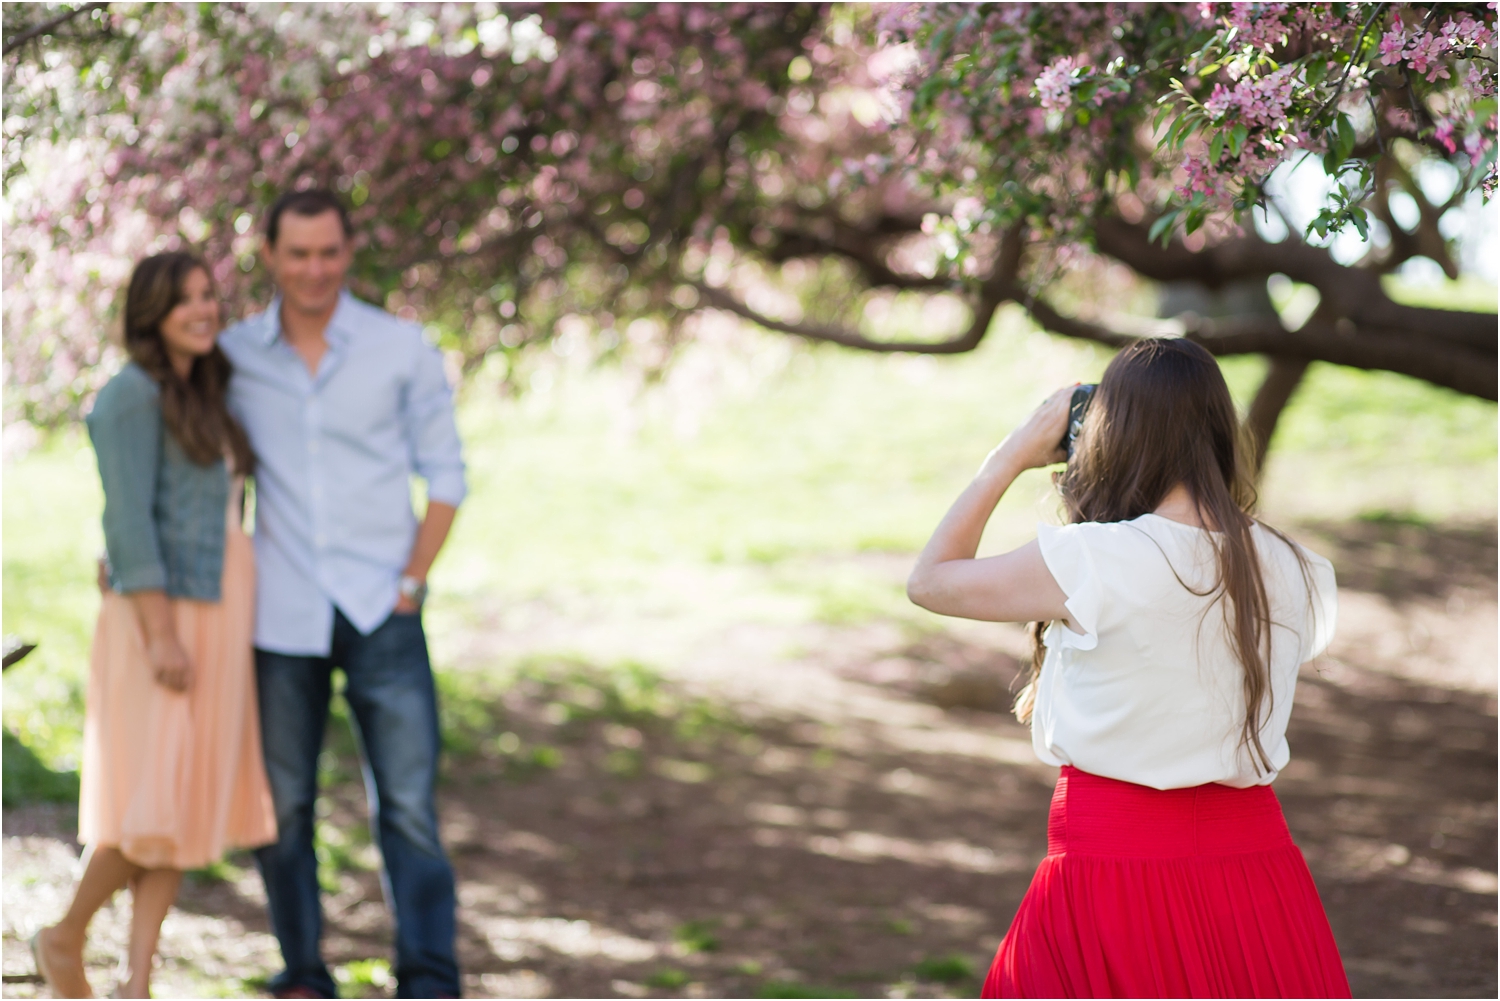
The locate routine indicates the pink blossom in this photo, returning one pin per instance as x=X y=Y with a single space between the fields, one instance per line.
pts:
x=1422 y=54
x=1392 y=46
x=1054 y=85
x=1475 y=144
x=1444 y=134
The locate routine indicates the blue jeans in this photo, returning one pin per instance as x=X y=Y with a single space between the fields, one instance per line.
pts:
x=390 y=691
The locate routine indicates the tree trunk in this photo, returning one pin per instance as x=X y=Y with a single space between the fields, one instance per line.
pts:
x=1281 y=381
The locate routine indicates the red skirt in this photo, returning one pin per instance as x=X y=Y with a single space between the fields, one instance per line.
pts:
x=1187 y=893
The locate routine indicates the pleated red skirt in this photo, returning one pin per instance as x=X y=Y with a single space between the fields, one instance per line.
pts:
x=1187 y=893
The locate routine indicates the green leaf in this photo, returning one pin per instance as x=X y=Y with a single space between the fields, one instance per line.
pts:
x=1179 y=132
x=1216 y=147
x=1361 y=220
x=1237 y=137
x=1166 y=140
x=1344 y=136
x=1162 y=225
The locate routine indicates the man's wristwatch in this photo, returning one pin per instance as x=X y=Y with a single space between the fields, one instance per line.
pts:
x=413 y=589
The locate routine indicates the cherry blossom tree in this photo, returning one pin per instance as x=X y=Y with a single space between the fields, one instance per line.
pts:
x=1149 y=133
x=511 y=172
x=526 y=172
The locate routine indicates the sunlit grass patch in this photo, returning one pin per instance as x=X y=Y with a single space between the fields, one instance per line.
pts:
x=52 y=537
x=471 y=710
x=246 y=986
x=782 y=494
x=363 y=973
x=790 y=989
x=627 y=693
x=668 y=979
x=1407 y=518
x=696 y=936
x=524 y=719
x=219 y=871
x=949 y=969
x=342 y=849
x=1352 y=442
x=851 y=599
x=27 y=779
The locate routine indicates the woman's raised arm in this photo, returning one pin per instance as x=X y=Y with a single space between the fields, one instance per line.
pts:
x=1015 y=587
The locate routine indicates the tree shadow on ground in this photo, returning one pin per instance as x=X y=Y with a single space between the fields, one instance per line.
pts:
x=1404 y=559
x=613 y=835
x=795 y=856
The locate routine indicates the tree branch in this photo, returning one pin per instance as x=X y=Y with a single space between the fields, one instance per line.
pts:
x=717 y=298
x=46 y=27
x=1427 y=239
x=1439 y=362
x=1353 y=294
x=861 y=246
x=999 y=288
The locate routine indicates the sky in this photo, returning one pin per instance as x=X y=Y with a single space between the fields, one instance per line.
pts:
x=1299 y=188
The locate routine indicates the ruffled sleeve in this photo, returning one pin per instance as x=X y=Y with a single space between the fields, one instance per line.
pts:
x=1323 y=605
x=1066 y=553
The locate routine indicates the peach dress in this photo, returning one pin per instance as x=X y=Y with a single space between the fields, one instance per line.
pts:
x=176 y=780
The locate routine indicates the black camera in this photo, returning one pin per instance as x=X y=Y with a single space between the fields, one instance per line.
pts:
x=1077 y=407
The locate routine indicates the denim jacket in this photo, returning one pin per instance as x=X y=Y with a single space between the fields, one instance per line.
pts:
x=163 y=513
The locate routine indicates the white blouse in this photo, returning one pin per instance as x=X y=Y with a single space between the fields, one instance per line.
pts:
x=1145 y=686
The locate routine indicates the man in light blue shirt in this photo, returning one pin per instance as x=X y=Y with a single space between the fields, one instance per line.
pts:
x=343 y=403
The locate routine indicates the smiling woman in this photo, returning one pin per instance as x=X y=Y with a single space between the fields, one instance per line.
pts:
x=172 y=775
x=188 y=331
x=172 y=322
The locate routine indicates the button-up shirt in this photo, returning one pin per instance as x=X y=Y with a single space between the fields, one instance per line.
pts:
x=335 y=452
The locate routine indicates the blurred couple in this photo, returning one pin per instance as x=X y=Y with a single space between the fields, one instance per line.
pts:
x=212 y=661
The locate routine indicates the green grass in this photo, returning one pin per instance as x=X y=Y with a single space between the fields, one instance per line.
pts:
x=1469 y=293
x=627 y=701
x=763 y=473
x=789 y=989
x=668 y=979
x=696 y=936
x=28 y=779
x=363 y=973
x=944 y=969
x=51 y=539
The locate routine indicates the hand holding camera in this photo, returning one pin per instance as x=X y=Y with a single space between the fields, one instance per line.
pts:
x=1046 y=437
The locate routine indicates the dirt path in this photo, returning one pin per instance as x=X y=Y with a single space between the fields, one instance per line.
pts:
x=863 y=822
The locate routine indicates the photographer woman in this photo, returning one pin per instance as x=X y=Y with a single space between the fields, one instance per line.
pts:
x=172 y=770
x=1170 y=627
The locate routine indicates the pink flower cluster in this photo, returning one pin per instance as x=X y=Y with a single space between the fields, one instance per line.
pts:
x=1255 y=101
x=1267 y=26
x=483 y=178
x=1427 y=53
x=1054 y=85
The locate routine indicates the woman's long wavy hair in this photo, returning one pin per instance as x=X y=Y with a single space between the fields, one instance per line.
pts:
x=1162 y=415
x=193 y=409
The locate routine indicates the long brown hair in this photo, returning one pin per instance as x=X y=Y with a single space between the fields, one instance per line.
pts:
x=1162 y=415
x=193 y=409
